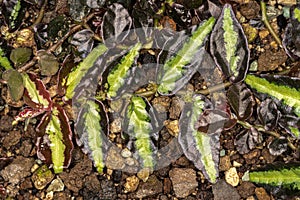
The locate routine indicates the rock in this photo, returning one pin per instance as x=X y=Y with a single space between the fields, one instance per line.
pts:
x=11 y=138
x=56 y=185
x=74 y=179
x=41 y=177
x=17 y=170
x=131 y=184
x=92 y=183
x=167 y=186
x=263 y=34
x=172 y=127
x=224 y=191
x=126 y=153
x=182 y=161
x=161 y=104
x=246 y=189
x=268 y=157
x=176 y=108
x=269 y=60
x=151 y=187
x=144 y=174
x=26 y=148
x=261 y=194
x=184 y=181
x=224 y=164
x=250 y=10
x=114 y=160
x=287 y=2
x=6 y=123
x=250 y=32
x=116 y=126
x=232 y=177
x=252 y=156
x=108 y=190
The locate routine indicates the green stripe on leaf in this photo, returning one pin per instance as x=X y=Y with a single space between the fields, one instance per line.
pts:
x=76 y=76
x=173 y=69
x=4 y=62
x=116 y=78
x=289 y=96
x=297 y=14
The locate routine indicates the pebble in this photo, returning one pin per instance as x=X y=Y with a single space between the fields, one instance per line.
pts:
x=224 y=191
x=129 y=161
x=131 y=184
x=246 y=189
x=143 y=174
x=56 y=185
x=172 y=127
x=116 y=126
x=184 y=181
x=114 y=159
x=151 y=187
x=261 y=194
x=232 y=177
x=12 y=138
x=17 y=170
x=42 y=177
x=250 y=32
x=270 y=60
x=126 y=153
x=237 y=164
x=287 y=2
x=224 y=164
x=263 y=34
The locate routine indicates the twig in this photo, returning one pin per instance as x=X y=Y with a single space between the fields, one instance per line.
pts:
x=261 y=129
x=41 y=14
x=267 y=24
x=214 y=88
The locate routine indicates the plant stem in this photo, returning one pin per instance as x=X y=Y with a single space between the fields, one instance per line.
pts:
x=261 y=129
x=41 y=14
x=267 y=24
x=214 y=88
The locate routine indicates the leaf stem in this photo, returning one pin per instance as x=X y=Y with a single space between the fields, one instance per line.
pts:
x=41 y=14
x=267 y=24
x=214 y=88
x=262 y=129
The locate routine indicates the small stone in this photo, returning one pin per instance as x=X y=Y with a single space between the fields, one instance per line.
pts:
x=126 y=153
x=49 y=196
x=167 y=186
x=270 y=60
x=252 y=156
x=232 y=177
x=41 y=177
x=161 y=104
x=250 y=10
x=114 y=160
x=261 y=194
x=250 y=32
x=237 y=164
x=176 y=107
x=224 y=163
x=223 y=191
x=246 y=189
x=116 y=126
x=184 y=181
x=250 y=198
x=17 y=170
x=151 y=187
x=143 y=174
x=131 y=184
x=56 y=185
x=263 y=34
x=11 y=138
x=172 y=127
x=287 y=2
x=129 y=161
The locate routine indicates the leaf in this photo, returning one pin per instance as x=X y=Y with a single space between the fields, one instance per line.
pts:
x=84 y=42
x=91 y=127
x=20 y=56
x=289 y=96
x=291 y=124
x=291 y=39
x=268 y=114
x=241 y=100
x=14 y=13
x=4 y=62
x=183 y=64
x=47 y=63
x=247 y=140
x=26 y=114
x=67 y=66
x=15 y=83
x=55 y=146
x=201 y=148
x=140 y=126
x=116 y=24
x=78 y=9
x=36 y=95
x=229 y=46
x=118 y=76
x=278 y=146
x=286 y=177
x=76 y=76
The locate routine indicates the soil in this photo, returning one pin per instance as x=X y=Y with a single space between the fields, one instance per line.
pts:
x=24 y=176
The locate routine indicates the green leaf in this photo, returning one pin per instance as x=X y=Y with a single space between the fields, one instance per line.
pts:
x=290 y=96
x=15 y=83
x=229 y=46
x=139 y=127
x=47 y=63
x=288 y=178
x=20 y=56
x=91 y=127
x=117 y=76
x=199 y=147
x=297 y=14
x=60 y=137
x=4 y=62
x=76 y=76
x=174 y=68
x=36 y=94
